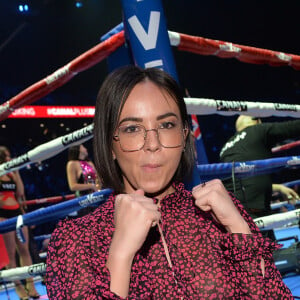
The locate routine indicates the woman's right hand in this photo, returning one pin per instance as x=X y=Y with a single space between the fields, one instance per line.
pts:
x=134 y=216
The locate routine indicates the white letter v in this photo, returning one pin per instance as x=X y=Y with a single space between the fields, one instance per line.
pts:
x=148 y=40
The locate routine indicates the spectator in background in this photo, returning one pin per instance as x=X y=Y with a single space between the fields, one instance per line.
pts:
x=81 y=174
x=254 y=140
x=11 y=194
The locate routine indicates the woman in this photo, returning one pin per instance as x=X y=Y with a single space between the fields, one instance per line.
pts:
x=81 y=174
x=153 y=239
x=11 y=189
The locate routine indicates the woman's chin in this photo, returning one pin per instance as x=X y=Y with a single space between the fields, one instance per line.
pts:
x=157 y=190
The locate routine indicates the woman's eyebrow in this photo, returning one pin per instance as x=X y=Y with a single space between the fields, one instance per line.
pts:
x=166 y=115
x=133 y=119
x=160 y=117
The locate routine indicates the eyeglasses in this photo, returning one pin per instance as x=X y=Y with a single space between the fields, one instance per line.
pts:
x=132 y=137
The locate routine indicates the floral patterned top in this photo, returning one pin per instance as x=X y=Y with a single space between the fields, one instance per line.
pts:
x=208 y=262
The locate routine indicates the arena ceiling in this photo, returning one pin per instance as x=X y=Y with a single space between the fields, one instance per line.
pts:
x=54 y=32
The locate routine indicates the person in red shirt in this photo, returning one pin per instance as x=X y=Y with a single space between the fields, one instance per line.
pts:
x=153 y=239
x=11 y=190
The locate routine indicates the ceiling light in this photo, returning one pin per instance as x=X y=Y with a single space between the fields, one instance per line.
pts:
x=23 y=8
x=78 y=4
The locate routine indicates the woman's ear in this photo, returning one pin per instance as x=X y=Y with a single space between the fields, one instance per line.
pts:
x=186 y=132
x=113 y=155
x=185 y=136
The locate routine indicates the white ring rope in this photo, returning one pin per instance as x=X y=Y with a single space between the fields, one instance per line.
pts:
x=48 y=149
x=23 y=272
x=198 y=106
x=277 y=220
x=203 y=106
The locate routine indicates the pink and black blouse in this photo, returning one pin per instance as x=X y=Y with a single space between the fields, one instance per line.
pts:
x=208 y=262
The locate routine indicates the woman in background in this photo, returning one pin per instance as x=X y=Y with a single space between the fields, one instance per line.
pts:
x=81 y=174
x=11 y=192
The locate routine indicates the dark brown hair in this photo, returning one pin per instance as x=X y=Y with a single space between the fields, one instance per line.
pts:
x=110 y=101
x=73 y=152
x=3 y=154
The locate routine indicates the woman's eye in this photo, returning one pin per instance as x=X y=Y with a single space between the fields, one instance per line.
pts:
x=167 y=125
x=131 y=129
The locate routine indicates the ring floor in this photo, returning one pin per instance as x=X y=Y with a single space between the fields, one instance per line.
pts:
x=10 y=293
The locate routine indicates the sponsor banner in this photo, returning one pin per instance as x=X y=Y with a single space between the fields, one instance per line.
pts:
x=231 y=105
x=244 y=168
x=260 y=223
x=23 y=272
x=48 y=149
x=37 y=269
x=285 y=107
x=54 y=112
x=91 y=199
x=16 y=162
x=77 y=135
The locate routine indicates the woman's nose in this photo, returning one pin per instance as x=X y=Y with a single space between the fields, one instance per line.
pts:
x=152 y=140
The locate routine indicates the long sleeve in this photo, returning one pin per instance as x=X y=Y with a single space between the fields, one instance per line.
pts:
x=279 y=131
x=243 y=254
x=255 y=142
x=207 y=262
x=77 y=255
x=74 y=269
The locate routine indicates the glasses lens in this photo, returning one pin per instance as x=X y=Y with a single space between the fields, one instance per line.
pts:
x=171 y=137
x=132 y=137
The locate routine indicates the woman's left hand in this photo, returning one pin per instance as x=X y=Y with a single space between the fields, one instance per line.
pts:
x=212 y=196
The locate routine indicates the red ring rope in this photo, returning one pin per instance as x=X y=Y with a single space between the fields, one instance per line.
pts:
x=62 y=75
x=286 y=146
x=49 y=200
x=190 y=43
x=200 y=45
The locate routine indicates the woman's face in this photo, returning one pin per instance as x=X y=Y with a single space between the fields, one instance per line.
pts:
x=152 y=167
x=7 y=156
x=83 y=153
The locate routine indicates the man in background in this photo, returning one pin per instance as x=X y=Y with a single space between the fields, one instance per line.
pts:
x=254 y=140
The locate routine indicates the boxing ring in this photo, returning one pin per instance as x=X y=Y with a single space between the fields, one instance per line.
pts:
x=282 y=223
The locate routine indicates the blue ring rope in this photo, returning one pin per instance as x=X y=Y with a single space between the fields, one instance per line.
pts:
x=56 y=211
x=222 y=170
x=247 y=168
